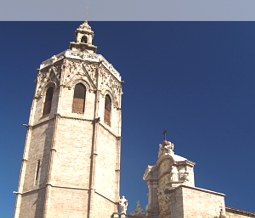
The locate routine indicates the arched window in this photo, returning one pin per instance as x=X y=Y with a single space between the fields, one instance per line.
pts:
x=107 y=110
x=48 y=101
x=79 y=98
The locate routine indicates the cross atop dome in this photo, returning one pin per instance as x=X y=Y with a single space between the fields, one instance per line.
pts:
x=83 y=39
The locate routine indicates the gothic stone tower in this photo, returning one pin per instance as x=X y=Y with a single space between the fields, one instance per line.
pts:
x=71 y=161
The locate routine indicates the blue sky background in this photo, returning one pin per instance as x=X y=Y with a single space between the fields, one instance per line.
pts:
x=195 y=79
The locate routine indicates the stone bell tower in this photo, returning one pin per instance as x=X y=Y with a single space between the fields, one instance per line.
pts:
x=71 y=162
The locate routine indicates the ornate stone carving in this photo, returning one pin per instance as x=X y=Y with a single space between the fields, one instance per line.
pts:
x=52 y=60
x=174 y=174
x=79 y=70
x=164 y=197
x=82 y=55
x=123 y=203
x=92 y=57
x=108 y=66
x=166 y=148
x=111 y=84
x=51 y=75
x=184 y=176
x=138 y=212
x=91 y=70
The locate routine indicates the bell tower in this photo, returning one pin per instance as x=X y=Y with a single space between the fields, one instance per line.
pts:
x=71 y=161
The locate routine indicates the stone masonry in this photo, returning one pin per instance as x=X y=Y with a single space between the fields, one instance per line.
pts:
x=71 y=161
x=172 y=192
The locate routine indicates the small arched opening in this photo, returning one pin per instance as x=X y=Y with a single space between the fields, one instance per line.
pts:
x=84 y=39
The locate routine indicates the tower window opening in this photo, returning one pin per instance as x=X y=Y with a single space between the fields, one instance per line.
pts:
x=79 y=99
x=37 y=172
x=48 y=101
x=107 y=110
x=84 y=39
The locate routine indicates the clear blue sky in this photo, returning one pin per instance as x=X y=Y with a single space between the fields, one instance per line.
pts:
x=196 y=79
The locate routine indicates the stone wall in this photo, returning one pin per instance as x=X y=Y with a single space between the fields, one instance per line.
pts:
x=32 y=204
x=64 y=202
x=235 y=213
x=201 y=203
x=71 y=162
x=77 y=152
x=191 y=202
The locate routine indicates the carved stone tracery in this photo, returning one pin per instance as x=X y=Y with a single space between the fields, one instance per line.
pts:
x=110 y=84
x=80 y=71
x=47 y=76
x=82 y=55
x=77 y=71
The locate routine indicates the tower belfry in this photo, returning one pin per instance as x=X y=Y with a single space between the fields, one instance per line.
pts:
x=71 y=161
x=84 y=38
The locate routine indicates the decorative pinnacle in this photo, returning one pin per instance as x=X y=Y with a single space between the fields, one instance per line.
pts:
x=85 y=27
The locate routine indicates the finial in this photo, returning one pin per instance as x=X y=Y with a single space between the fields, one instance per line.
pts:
x=166 y=147
x=165 y=134
x=138 y=212
x=85 y=27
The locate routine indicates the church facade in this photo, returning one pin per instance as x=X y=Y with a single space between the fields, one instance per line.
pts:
x=71 y=161
x=172 y=192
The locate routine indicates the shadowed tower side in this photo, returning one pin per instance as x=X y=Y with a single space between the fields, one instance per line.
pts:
x=71 y=161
